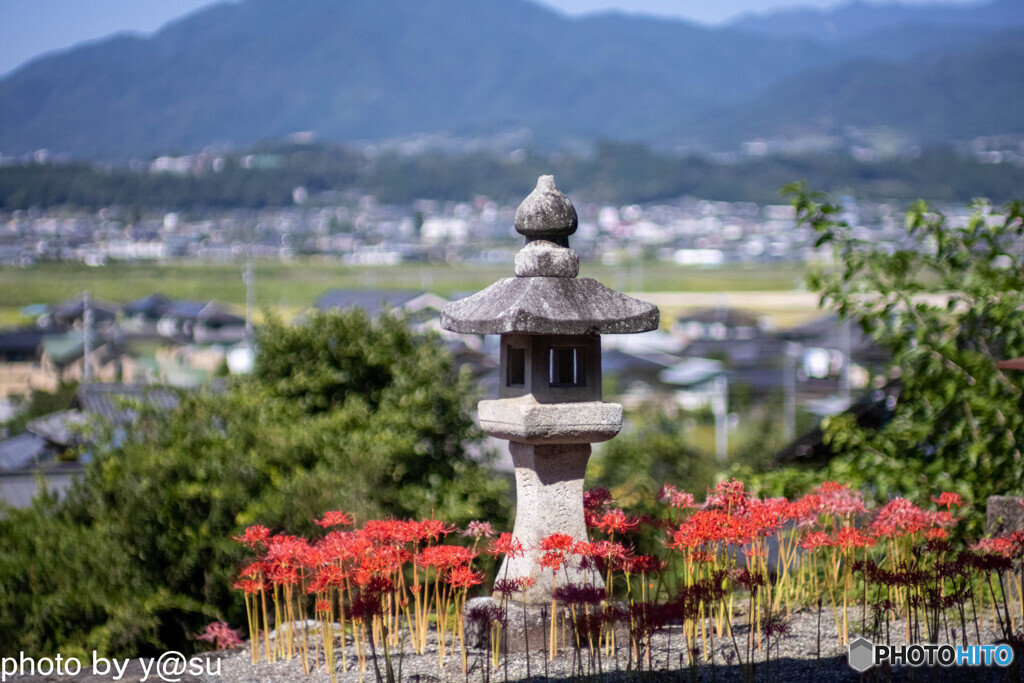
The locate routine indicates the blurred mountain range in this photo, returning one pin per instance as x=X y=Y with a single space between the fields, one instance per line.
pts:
x=380 y=69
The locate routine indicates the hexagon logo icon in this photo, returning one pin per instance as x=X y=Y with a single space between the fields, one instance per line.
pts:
x=862 y=655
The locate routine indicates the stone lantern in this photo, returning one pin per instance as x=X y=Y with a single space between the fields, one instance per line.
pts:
x=549 y=403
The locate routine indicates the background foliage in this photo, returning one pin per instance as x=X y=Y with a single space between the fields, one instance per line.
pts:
x=959 y=420
x=341 y=413
x=614 y=172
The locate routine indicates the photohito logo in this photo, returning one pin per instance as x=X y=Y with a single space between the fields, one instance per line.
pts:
x=864 y=654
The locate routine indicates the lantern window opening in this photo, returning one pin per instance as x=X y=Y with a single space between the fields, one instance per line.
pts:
x=516 y=360
x=565 y=366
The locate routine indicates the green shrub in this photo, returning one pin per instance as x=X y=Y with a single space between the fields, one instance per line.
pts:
x=340 y=413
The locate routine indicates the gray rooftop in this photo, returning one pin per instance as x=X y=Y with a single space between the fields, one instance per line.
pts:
x=23 y=451
x=113 y=401
x=60 y=428
x=373 y=301
x=17 y=489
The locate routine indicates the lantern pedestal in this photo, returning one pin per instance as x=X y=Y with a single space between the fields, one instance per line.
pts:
x=549 y=499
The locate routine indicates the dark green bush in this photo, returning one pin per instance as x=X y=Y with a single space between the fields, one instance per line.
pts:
x=340 y=413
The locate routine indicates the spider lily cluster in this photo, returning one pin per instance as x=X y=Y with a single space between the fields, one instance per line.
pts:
x=728 y=575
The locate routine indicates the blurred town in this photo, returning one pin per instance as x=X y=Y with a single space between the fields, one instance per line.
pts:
x=723 y=366
x=357 y=229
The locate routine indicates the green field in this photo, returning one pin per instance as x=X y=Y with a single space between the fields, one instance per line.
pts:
x=290 y=287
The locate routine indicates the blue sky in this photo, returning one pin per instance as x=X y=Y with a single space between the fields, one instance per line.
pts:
x=32 y=27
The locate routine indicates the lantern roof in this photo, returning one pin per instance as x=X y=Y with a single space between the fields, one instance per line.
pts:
x=546 y=297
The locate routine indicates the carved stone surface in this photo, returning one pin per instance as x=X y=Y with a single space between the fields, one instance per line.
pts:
x=549 y=305
x=525 y=625
x=549 y=499
x=529 y=422
x=546 y=259
x=1004 y=514
x=546 y=214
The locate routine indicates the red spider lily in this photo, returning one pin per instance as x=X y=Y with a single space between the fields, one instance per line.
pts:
x=253 y=571
x=573 y=594
x=257 y=534
x=286 y=555
x=710 y=527
x=378 y=585
x=776 y=629
x=464 y=577
x=1010 y=545
x=516 y=585
x=616 y=522
x=747 y=578
x=323 y=606
x=334 y=518
x=340 y=546
x=838 y=499
x=222 y=635
x=384 y=531
x=557 y=541
x=505 y=545
x=675 y=498
x=479 y=530
x=583 y=549
x=407 y=531
x=764 y=516
x=311 y=557
x=815 y=540
x=445 y=557
x=365 y=606
x=432 y=530
x=596 y=499
x=642 y=564
x=948 y=500
x=804 y=511
x=552 y=560
x=900 y=517
x=752 y=552
x=608 y=550
x=728 y=495
x=702 y=556
x=249 y=586
x=383 y=560
x=327 y=577
x=936 y=534
x=283 y=575
x=848 y=538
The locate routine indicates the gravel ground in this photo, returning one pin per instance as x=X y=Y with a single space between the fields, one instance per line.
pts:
x=797 y=659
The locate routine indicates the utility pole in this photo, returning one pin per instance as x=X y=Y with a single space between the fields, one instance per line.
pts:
x=720 y=407
x=844 y=375
x=789 y=390
x=86 y=337
x=250 y=289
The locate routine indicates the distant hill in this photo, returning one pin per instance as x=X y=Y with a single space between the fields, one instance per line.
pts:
x=938 y=96
x=856 y=19
x=374 y=69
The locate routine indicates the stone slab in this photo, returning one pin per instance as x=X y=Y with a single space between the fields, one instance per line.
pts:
x=526 y=421
x=526 y=627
